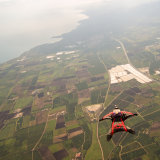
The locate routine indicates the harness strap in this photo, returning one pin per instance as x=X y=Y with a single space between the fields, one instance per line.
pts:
x=112 y=127
x=117 y=126
x=123 y=125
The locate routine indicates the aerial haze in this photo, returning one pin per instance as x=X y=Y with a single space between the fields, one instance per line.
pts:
x=25 y=24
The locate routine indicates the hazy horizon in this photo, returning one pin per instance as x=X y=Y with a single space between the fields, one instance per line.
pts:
x=26 y=24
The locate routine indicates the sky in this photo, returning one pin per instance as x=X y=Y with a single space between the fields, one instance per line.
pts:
x=27 y=23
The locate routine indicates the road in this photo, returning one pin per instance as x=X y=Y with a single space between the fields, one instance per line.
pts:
x=35 y=146
x=124 y=50
x=108 y=90
x=128 y=60
x=106 y=97
x=101 y=61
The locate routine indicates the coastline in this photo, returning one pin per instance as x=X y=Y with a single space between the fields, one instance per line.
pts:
x=54 y=38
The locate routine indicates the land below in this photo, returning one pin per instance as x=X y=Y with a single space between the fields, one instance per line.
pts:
x=52 y=96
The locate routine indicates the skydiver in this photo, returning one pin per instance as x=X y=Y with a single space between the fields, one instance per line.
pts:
x=118 y=117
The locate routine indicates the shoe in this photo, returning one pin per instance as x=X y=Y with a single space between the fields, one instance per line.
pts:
x=131 y=131
x=109 y=137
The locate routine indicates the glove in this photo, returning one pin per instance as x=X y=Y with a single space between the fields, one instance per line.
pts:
x=135 y=114
x=101 y=120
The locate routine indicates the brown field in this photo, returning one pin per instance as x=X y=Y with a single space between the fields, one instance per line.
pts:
x=74 y=150
x=130 y=92
x=60 y=154
x=147 y=92
x=52 y=116
x=97 y=78
x=81 y=74
x=155 y=133
x=32 y=123
x=47 y=100
x=138 y=159
x=40 y=95
x=155 y=129
x=60 y=122
x=39 y=102
x=71 y=85
x=74 y=129
x=136 y=90
x=73 y=134
x=71 y=123
x=115 y=88
x=5 y=116
x=155 y=126
x=62 y=88
x=81 y=100
x=71 y=89
x=26 y=110
x=60 y=138
x=60 y=83
x=84 y=93
x=19 y=90
x=46 y=153
x=41 y=117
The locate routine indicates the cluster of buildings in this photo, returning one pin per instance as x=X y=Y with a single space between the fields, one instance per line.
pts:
x=51 y=57
x=124 y=73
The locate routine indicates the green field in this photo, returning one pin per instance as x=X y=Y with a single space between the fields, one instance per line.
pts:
x=78 y=76
x=91 y=154
x=23 y=102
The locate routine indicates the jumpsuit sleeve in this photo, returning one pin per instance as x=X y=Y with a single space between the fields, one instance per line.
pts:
x=127 y=115
x=107 y=116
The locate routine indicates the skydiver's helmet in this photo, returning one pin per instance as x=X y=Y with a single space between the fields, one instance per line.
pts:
x=116 y=110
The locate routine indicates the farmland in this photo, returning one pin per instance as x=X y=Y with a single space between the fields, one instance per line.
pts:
x=52 y=97
x=50 y=115
x=49 y=118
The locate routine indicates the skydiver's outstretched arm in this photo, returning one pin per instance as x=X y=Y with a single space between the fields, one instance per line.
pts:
x=128 y=114
x=107 y=116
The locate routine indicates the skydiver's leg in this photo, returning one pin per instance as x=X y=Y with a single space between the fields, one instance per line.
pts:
x=109 y=135
x=130 y=130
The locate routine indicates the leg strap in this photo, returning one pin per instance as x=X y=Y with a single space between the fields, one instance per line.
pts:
x=123 y=125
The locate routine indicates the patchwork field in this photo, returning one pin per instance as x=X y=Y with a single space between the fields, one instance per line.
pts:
x=53 y=95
